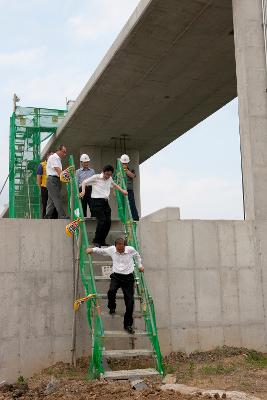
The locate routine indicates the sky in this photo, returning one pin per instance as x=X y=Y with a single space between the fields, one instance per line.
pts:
x=49 y=50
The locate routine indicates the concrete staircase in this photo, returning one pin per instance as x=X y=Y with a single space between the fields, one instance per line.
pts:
x=117 y=342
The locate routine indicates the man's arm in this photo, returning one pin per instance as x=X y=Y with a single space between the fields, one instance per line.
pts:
x=39 y=180
x=39 y=175
x=129 y=173
x=77 y=175
x=117 y=187
x=97 y=250
x=58 y=170
x=85 y=183
x=138 y=259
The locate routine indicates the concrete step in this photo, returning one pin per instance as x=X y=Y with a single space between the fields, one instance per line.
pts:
x=127 y=353
x=123 y=334
x=129 y=374
x=136 y=314
x=102 y=278
x=118 y=296
x=91 y=224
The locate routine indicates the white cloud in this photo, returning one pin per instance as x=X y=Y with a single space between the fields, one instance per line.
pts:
x=207 y=198
x=47 y=90
x=22 y=57
x=100 y=18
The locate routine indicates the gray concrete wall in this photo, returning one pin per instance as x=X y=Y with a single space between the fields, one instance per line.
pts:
x=252 y=103
x=36 y=292
x=207 y=281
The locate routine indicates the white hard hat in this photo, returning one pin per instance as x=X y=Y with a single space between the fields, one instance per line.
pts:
x=124 y=159
x=84 y=158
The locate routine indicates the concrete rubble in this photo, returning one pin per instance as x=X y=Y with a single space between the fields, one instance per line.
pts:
x=217 y=394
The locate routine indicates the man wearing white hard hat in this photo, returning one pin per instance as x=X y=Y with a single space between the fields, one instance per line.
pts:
x=130 y=175
x=83 y=173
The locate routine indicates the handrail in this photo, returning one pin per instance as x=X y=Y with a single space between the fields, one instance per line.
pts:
x=87 y=276
x=2 y=188
x=147 y=305
x=264 y=22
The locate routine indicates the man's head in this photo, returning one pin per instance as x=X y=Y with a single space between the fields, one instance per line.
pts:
x=108 y=171
x=85 y=161
x=120 y=244
x=61 y=151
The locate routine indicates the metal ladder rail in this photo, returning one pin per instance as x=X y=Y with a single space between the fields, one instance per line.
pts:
x=147 y=305
x=87 y=275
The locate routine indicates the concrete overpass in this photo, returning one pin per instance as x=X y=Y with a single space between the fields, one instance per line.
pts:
x=172 y=65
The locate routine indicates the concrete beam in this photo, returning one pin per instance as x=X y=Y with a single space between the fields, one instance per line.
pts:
x=171 y=66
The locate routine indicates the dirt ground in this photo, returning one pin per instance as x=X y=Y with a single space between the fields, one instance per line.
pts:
x=224 y=368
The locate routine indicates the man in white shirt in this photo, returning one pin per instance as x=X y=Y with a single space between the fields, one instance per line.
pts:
x=101 y=185
x=53 y=184
x=122 y=277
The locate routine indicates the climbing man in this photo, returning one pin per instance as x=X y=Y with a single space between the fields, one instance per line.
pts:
x=84 y=173
x=130 y=175
x=53 y=184
x=122 y=277
x=101 y=185
x=41 y=182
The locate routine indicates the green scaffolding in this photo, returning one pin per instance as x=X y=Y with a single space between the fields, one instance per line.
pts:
x=29 y=127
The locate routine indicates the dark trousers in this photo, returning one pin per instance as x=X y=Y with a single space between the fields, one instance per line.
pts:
x=53 y=185
x=86 y=200
x=102 y=211
x=126 y=283
x=132 y=205
x=44 y=198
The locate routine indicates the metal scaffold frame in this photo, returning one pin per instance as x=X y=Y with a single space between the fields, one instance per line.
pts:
x=29 y=127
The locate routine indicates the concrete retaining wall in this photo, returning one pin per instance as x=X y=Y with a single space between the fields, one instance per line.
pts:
x=207 y=282
x=36 y=291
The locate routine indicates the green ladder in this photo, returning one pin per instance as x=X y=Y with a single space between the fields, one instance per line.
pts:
x=147 y=312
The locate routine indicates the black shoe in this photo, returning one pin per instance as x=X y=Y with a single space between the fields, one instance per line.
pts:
x=129 y=329
x=112 y=311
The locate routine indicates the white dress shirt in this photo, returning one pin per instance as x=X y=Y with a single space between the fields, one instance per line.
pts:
x=123 y=263
x=100 y=186
x=53 y=161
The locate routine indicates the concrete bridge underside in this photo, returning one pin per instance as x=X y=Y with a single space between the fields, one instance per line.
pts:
x=172 y=66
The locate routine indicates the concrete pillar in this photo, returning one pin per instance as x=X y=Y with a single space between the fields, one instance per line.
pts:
x=252 y=102
x=101 y=156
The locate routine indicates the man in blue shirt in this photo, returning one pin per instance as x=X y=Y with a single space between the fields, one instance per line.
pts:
x=84 y=173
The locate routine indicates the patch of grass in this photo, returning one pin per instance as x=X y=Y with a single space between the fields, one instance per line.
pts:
x=49 y=371
x=169 y=369
x=21 y=380
x=191 y=368
x=245 y=384
x=218 y=369
x=256 y=359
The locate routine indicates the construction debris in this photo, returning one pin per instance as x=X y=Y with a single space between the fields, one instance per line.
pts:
x=169 y=379
x=138 y=384
x=217 y=394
